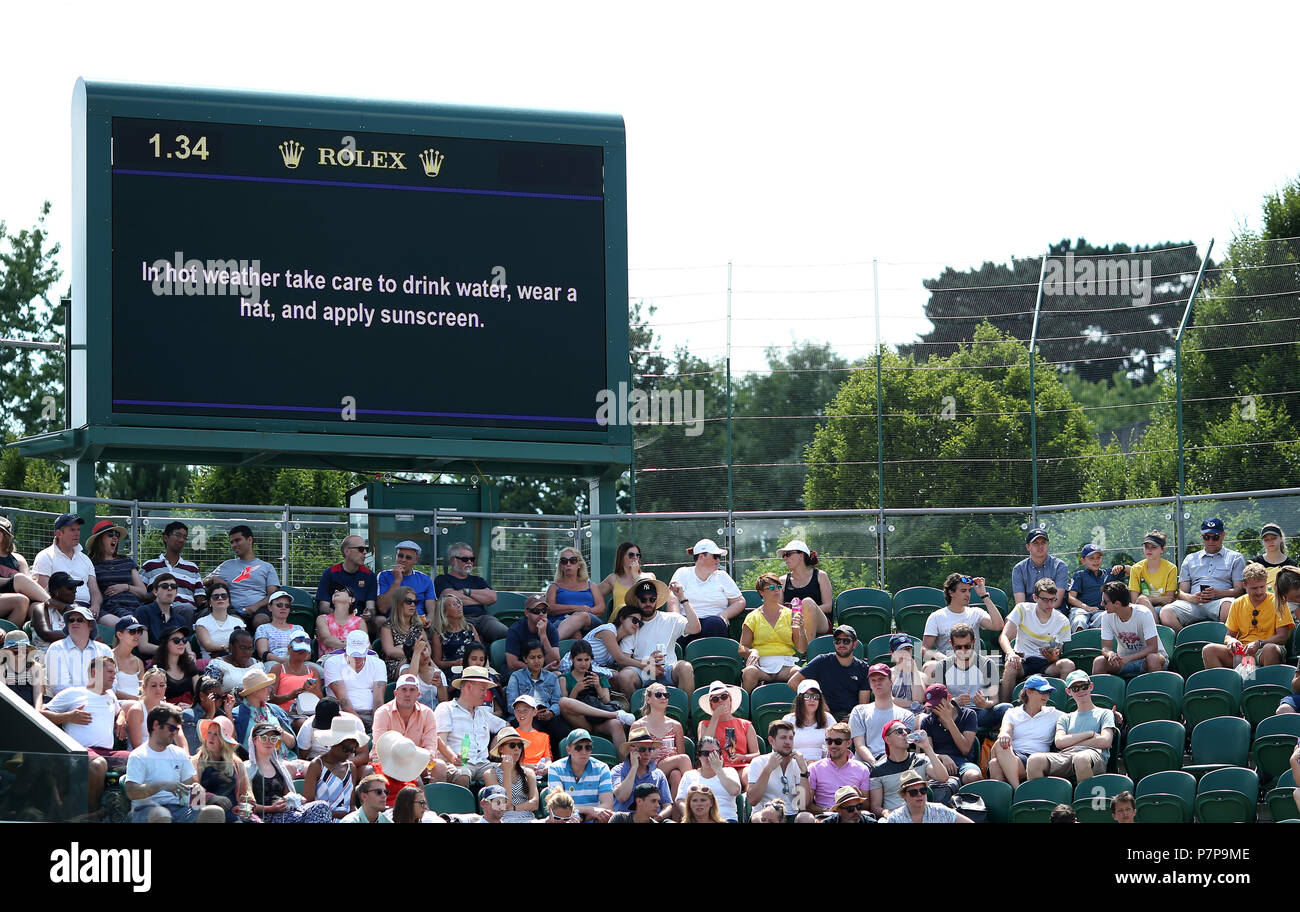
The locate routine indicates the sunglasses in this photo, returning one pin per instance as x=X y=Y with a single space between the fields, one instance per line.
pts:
x=843 y=641
x=172 y=726
x=570 y=560
x=270 y=737
x=635 y=554
x=914 y=792
x=536 y=610
x=645 y=750
x=834 y=740
x=647 y=597
x=967 y=648
x=112 y=534
x=584 y=746
x=463 y=558
x=812 y=695
x=219 y=597
x=636 y=621
x=374 y=791
x=166 y=586
x=966 y=579
x=1211 y=536
x=658 y=694
x=1079 y=688
x=704 y=755
x=852 y=808
x=719 y=698
x=176 y=640
x=410 y=601
x=362 y=548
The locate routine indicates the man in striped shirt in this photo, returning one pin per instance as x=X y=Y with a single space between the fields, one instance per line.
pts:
x=189 y=580
x=587 y=779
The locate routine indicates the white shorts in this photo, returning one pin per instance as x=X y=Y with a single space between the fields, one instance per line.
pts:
x=773 y=664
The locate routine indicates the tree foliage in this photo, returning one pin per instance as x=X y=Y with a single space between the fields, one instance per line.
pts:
x=28 y=271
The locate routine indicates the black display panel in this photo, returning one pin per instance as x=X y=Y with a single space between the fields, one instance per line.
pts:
x=267 y=272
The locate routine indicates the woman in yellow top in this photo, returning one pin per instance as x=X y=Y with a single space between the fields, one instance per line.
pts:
x=1258 y=625
x=627 y=568
x=770 y=637
x=1159 y=575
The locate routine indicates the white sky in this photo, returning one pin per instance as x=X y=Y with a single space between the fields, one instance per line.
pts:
x=920 y=134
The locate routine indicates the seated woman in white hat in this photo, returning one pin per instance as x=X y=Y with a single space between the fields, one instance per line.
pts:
x=332 y=776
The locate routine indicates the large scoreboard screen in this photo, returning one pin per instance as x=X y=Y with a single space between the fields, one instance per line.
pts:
x=302 y=263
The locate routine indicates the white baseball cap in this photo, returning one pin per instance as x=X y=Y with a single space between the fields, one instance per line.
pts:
x=707 y=546
x=357 y=644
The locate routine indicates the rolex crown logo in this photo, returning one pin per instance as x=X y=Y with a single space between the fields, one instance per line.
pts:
x=291 y=151
x=431 y=159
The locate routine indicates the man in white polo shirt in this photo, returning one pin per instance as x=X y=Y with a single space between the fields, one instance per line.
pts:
x=88 y=715
x=66 y=554
x=66 y=661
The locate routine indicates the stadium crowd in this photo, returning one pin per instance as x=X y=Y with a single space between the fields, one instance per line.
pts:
x=401 y=697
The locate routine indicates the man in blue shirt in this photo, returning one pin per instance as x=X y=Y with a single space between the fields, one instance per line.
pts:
x=637 y=770
x=841 y=675
x=405 y=574
x=584 y=777
x=1040 y=565
x=1084 y=596
x=1208 y=581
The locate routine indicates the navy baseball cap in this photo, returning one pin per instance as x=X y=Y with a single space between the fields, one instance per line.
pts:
x=1213 y=524
x=67 y=519
x=1089 y=550
x=900 y=641
x=1035 y=533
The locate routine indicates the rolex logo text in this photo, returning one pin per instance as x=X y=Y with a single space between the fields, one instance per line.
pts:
x=362 y=158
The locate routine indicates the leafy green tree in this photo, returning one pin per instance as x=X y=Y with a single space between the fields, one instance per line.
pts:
x=1092 y=335
x=28 y=271
x=150 y=482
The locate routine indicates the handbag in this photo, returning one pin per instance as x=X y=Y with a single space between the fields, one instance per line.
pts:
x=971 y=806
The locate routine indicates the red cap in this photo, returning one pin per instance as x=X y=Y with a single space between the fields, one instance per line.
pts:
x=880 y=668
x=935 y=694
x=884 y=732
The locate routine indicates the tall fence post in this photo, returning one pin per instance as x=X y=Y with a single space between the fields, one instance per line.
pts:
x=284 y=549
x=1178 y=393
x=135 y=531
x=1033 y=393
x=731 y=506
x=433 y=542
x=880 y=429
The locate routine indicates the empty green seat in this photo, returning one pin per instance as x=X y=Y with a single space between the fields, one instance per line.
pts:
x=867 y=621
x=1186 y=657
x=1209 y=693
x=1153 y=747
x=1281 y=799
x=863 y=597
x=449 y=798
x=1227 y=796
x=1275 y=740
x=1166 y=797
x=1217 y=743
x=1264 y=690
x=1083 y=647
x=1154 y=695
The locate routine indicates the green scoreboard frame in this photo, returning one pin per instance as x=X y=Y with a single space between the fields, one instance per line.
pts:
x=100 y=427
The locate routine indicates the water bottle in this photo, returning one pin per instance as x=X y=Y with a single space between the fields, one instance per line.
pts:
x=796 y=605
x=464 y=749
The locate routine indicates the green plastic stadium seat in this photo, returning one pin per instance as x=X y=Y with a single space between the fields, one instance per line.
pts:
x=449 y=798
x=996 y=795
x=1166 y=797
x=1154 y=695
x=1210 y=693
x=1275 y=740
x=1227 y=796
x=867 y=621
x=910 y=619
x=712 y=646
x=918 y=595
x=1281 y=799
x=603 y=749
x=1153 y=747
x=1186 y=657
x=1217 y=743
x=863 y=597
x=1083 y=647
x=1264 y=690
x=1092 y=797
x=1035 y=798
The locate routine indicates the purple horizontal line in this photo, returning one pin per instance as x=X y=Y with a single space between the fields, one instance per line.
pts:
x=364 y=186
x=315 y=408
